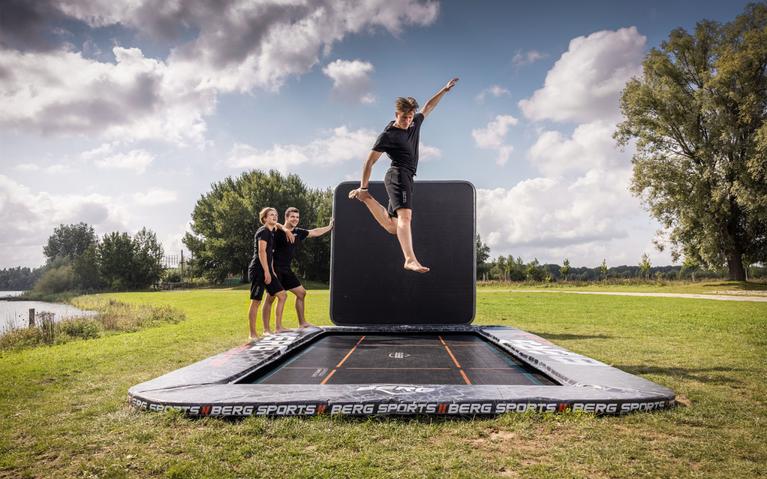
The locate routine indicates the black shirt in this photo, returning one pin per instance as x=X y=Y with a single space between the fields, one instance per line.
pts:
x=284 y=250
x=401 y=145
x=264 y=234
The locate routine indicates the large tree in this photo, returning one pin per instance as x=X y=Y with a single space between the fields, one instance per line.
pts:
x=69 y=241
x=225 y=219
x=697 y=115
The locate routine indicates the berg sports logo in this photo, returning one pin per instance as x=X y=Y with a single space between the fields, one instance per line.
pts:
x=396 y=390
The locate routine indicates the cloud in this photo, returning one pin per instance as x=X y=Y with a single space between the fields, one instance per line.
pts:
x=134 y=160
x=341 y=145
x=493 y=137
x=155 y=196
x=29 y=217
x=134 y=98
x=216 y=47
x=590 y=147
x=586 y=81
x=351 y=80
x=494 y=90
x=530 y=56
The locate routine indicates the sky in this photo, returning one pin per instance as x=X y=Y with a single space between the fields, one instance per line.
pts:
x=122 y=114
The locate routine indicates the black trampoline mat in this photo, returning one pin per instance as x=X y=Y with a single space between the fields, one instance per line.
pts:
x=463 y=359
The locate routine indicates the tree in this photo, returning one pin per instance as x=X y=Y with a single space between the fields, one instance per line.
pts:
x=698 y=117
x=225 y=220
x=483 y=254
x=69 y=241
x=603 y=269
x=644 y=266
x=565 y=269
x=147 y=259
x=313 y=257
x=115 y=253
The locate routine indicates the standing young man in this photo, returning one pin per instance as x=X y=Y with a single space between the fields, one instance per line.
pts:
x=399 y=140
x=262 y=276
x=284 y=252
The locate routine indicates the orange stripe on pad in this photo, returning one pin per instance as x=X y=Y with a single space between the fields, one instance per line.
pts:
x=327 y=378
x=457 y=364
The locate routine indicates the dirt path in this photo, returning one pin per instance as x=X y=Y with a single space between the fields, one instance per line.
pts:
x=720 y=297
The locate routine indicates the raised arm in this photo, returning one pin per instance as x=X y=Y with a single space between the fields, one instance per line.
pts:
x=313 y=233
x=366 y=170
x=433 y=101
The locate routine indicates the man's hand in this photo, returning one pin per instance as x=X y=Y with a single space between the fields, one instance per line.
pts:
x=450 y=84
x=332 y=223
x=267 y=277
x=290 y=236
x=360 y=194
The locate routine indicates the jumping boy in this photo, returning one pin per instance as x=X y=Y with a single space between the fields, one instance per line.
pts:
x=399 y=140
x=284 y=252
x=262 y=276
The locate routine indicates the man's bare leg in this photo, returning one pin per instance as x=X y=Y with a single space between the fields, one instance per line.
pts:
x=300 y=293
x=282 y=298
x=377 y=209
x=252 y=314
x=266 y=313
x=405 y=237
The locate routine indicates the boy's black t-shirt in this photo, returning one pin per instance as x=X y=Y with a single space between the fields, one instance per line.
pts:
x=284 y=250
x=401 y=145
x=264 y=234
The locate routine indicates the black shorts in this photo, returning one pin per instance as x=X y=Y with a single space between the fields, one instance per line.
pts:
x=288 y=279
x=257 y=285
x=399 y=187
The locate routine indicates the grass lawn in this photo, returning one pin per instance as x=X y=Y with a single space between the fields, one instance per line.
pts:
x=758 y=288
x=65 y=412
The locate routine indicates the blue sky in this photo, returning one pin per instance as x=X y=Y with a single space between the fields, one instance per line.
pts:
x=122 y=115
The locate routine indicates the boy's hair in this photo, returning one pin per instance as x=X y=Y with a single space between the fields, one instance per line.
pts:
x=264 y=212
x=406 y=105
x=292 y=209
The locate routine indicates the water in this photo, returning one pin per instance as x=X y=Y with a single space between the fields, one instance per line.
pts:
x=9 y=294
x=15 y=314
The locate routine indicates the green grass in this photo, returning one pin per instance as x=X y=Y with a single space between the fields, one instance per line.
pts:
x=65 y=412
x=685 y=287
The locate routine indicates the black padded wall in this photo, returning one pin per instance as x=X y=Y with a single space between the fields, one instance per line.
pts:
x=368 y=284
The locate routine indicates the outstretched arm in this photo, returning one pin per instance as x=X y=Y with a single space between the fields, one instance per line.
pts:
x=433 y=101
x=320 y=231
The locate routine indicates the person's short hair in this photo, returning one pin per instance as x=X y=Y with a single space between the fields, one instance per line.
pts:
x=264 y=212
x=406 y=105
x=292 y=209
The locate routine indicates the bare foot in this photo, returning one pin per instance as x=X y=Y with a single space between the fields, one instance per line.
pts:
x=283 y=330
x=254 y=338
x=359 y=194
x=268 y=332
x=306 y=325
x=414 y=265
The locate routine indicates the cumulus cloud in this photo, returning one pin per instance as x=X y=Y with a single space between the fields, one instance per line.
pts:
x=235 y=46
x=134 y=160
x=586 y=81
x=351 y=80
x=341 y=145
x=494 y=90
x=155 y=196
x=493 y=137
x=29 y=217
x=525 y=58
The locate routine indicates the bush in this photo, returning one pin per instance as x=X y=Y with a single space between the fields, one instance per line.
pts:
x=83 y=328
x=56 y=280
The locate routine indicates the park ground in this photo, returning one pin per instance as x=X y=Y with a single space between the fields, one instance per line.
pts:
x=65 y=412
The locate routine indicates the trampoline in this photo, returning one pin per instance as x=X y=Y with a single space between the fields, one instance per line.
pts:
x=403 y=342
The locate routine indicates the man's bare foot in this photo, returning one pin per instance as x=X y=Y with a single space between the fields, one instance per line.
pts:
x=359 y=194
x=254 y=338
x=306 y=325
x=268 y=332
x=283 y=330
x=414 y=265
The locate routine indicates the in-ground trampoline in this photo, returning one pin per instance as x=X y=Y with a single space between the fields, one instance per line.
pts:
x=404 y=343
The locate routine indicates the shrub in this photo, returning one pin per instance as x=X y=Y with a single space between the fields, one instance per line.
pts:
x=56 y=280
x=84 y=328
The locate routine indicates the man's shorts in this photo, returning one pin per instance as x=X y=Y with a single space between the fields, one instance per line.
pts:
x=257 y=285
x=399 y=187
x=288 y=279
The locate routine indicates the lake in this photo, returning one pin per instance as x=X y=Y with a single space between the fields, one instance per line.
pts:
x=15 y=314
